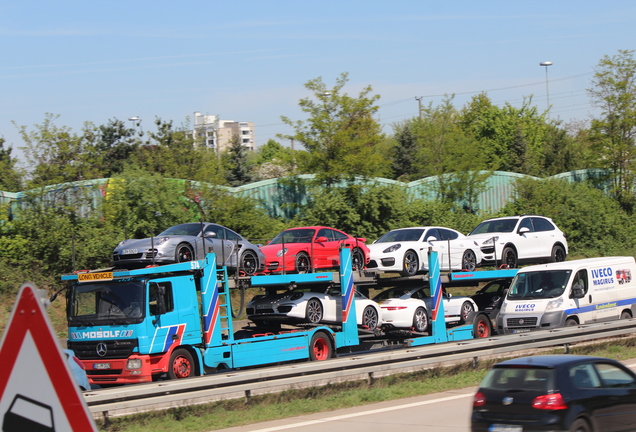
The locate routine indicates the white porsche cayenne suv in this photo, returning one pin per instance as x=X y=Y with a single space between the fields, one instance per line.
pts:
x=515 y=240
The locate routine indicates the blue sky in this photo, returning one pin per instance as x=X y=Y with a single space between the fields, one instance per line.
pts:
x=248 y=61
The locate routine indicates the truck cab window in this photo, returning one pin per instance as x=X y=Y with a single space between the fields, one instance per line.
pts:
x=160 y=293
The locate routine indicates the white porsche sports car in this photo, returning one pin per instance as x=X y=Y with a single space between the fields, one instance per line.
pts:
x=410 y=308
x=311 y=305
x=405 y=250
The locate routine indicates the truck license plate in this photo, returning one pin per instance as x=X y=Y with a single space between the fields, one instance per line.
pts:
x=101 y=366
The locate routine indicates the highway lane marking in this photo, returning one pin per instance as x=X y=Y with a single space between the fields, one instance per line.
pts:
x=363 y=413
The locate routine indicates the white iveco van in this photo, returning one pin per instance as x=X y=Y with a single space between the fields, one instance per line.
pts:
x=569 y=293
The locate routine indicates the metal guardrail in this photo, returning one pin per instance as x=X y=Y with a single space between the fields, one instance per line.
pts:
x=354 y=366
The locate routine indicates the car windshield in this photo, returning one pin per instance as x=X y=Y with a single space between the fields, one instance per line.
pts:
x=495 y=226
x=300 y=235
x=519 y=378
x=539 y=284
x=103 y=304
x=411 y=234
x=189 y=229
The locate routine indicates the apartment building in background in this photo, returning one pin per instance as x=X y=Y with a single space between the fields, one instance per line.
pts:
x=217 y=134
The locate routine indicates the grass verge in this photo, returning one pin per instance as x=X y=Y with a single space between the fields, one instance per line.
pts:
x=224 y=414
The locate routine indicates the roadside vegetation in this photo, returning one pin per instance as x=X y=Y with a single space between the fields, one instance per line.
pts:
x=225 y=414
x=164 y=176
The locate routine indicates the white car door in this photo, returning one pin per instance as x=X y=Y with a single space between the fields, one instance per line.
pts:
x=529 y=242
x=433 y=238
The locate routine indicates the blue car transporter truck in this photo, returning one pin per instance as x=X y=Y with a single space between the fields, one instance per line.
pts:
x=175 y=320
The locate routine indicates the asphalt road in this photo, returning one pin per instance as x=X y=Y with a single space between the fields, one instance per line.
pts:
x=447 y=411
x=440 y=412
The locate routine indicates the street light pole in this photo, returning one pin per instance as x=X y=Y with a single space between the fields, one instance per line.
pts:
x=547 y=91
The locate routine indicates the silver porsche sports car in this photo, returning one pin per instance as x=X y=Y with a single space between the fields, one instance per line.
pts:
x=191 y=241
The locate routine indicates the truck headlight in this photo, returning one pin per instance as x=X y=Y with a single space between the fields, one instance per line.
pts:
x=133 y=364
x=554 y=304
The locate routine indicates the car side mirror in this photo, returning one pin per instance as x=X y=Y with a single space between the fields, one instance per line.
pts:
x=431 y=238
x=209 y=234
x=577 y=291
x=321 y=239
x=523 y=230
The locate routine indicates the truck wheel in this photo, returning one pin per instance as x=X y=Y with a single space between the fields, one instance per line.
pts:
x=313 y=314
x=482 y=327
x=411 y=264
x=320 y=347
x=181 y=364
x=509 y=257
x=370 y=318
x=420 y=320
x=184 y=253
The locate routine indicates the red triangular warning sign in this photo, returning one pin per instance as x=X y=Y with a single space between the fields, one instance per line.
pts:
x=36 y=385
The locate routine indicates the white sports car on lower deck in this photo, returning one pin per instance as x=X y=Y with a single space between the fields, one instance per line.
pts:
x=410 y=308
x=314 y=305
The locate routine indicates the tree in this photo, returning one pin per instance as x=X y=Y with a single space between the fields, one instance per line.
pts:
x=444 y=150
x=614 y=91
x=594 y=223
x=10 y=176
x=114 y=145
x=404 y=151
x=238 y=171
x=341 y=135
x=511 y=139
x=57 y=154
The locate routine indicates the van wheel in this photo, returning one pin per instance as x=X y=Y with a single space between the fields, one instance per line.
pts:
x=571 y=322
x=626 y=315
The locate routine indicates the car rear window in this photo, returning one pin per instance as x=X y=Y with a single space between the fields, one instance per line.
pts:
x=519 y=378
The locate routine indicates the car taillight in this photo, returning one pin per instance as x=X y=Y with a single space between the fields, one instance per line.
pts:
x=479 y=400
x=393 y=308
x=549 y=402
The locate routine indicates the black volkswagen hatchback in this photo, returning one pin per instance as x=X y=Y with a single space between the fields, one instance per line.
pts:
x=556 y=393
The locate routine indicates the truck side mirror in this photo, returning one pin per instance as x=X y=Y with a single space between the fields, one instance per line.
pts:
x=577 y=291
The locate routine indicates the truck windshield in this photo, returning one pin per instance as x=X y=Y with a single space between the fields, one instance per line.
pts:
x=539 y=284
x=106 y=303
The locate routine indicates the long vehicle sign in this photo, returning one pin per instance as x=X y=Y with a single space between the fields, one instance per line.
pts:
x=93 y=277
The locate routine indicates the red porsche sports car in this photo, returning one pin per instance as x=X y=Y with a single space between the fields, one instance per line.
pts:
x=304 y=249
